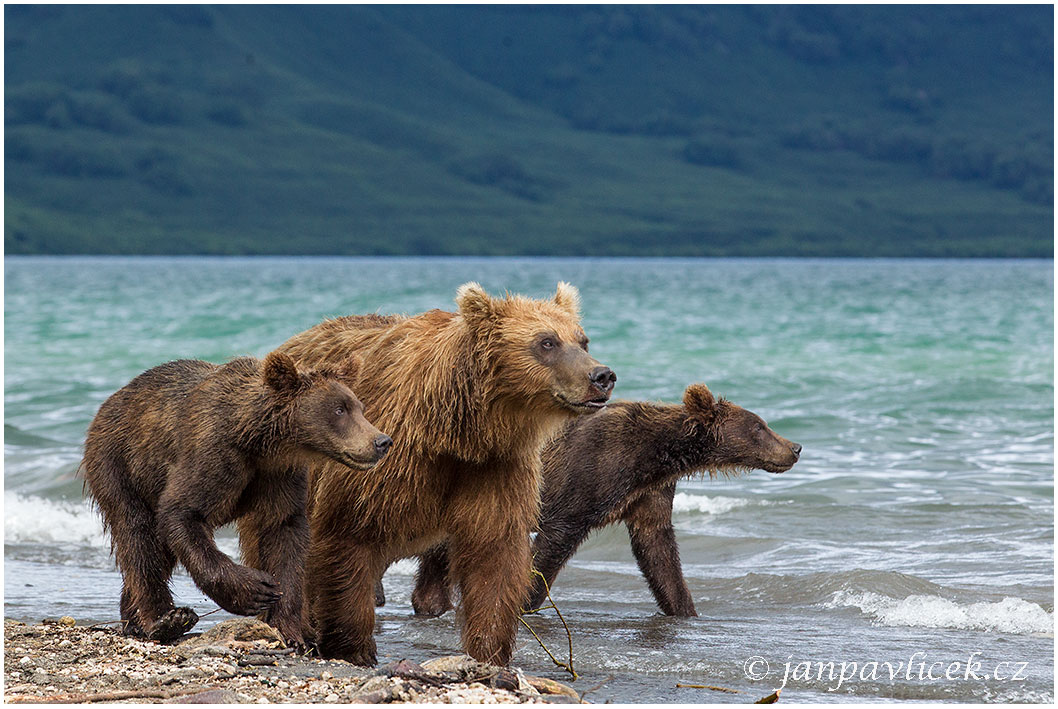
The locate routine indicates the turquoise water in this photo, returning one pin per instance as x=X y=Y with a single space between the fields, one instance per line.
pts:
x=919 y=519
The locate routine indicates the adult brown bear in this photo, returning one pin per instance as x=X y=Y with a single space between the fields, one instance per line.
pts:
x=189 y=446
x=622 y=465
x=470 y=397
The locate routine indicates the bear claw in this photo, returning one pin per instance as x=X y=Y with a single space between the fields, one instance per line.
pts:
x=173 y=624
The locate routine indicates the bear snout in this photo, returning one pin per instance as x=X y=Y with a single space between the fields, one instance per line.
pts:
x=603 y=378
x=383 y=444
x=796 y=448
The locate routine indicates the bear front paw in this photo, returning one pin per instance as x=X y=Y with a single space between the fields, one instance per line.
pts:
x=290 y=630
x=363 y=658
x=363 y=655
x=250 y=592
x=173 y=624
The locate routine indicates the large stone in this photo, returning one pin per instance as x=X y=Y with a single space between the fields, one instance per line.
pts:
x=376 y=690
x=236 y=630
x=550 y=686
x=460 y=666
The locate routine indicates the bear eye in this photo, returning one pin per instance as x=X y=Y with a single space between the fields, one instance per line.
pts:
x=340 y=411
x=547 y=343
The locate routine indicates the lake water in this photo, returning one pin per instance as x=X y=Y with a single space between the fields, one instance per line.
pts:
x=917 y=529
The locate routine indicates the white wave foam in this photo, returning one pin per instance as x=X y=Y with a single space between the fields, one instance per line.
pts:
x=1011 y=615
x=704 y=504
x=404 y=567
x=35 y=520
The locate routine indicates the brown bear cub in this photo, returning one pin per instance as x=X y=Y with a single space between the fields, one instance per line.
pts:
x=189 y=446
x=622 y=465
x=470 y=398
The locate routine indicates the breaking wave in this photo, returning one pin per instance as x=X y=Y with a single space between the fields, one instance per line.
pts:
x=74 y=526
x=1010 y=615
x=35 y=520
x=703 y=504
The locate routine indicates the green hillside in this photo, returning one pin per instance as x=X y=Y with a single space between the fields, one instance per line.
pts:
x=564 y=130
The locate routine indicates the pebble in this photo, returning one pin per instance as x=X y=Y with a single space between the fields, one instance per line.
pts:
x=108 y=661
x=374 y=684
x=214 y=651
x=223 y=670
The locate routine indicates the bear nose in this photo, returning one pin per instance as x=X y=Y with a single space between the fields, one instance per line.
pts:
x=382 y=444
x=796 y=447
x=603 y=378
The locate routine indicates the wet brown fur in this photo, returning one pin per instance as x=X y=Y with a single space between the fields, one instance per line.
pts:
x=622 y=465
x=189 y=446
x=469 y=403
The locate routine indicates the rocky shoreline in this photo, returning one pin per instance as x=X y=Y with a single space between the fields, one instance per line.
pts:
x=238 y=661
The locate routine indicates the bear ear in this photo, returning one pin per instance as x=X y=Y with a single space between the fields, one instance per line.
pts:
x=700 y=402
x=350 y=370
x=567 y=297
x=475 y=305
x=281 y=373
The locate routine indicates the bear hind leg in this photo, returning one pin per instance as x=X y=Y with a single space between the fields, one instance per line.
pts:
x=432 y=594
x=146 y=565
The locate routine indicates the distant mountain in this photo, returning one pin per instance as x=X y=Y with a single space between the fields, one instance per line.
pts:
x=564 y=130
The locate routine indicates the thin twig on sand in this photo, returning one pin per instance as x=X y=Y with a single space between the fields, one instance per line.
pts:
x=708 y=686
x=568 y=667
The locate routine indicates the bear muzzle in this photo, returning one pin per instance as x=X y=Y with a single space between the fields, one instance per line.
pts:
x=787 y=462
x=380 y=446
x=603 y=379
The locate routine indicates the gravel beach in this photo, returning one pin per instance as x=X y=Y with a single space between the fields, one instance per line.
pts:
x=237 y=661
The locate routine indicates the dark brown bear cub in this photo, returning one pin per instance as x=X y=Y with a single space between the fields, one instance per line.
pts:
x=189 y=446
x=622 y=464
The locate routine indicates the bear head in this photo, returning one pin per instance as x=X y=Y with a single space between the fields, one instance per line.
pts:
x=325 y=416
x=535 y=351
x=733 y=439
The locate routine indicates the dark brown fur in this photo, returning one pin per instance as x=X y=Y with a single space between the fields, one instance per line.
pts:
x=470 y=397
x=189 y=446
x=622 y=465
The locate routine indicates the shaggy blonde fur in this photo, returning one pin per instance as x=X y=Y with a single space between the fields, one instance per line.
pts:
x=469 y=406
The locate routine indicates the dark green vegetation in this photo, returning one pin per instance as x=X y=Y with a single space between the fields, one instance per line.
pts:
x=678 y=130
